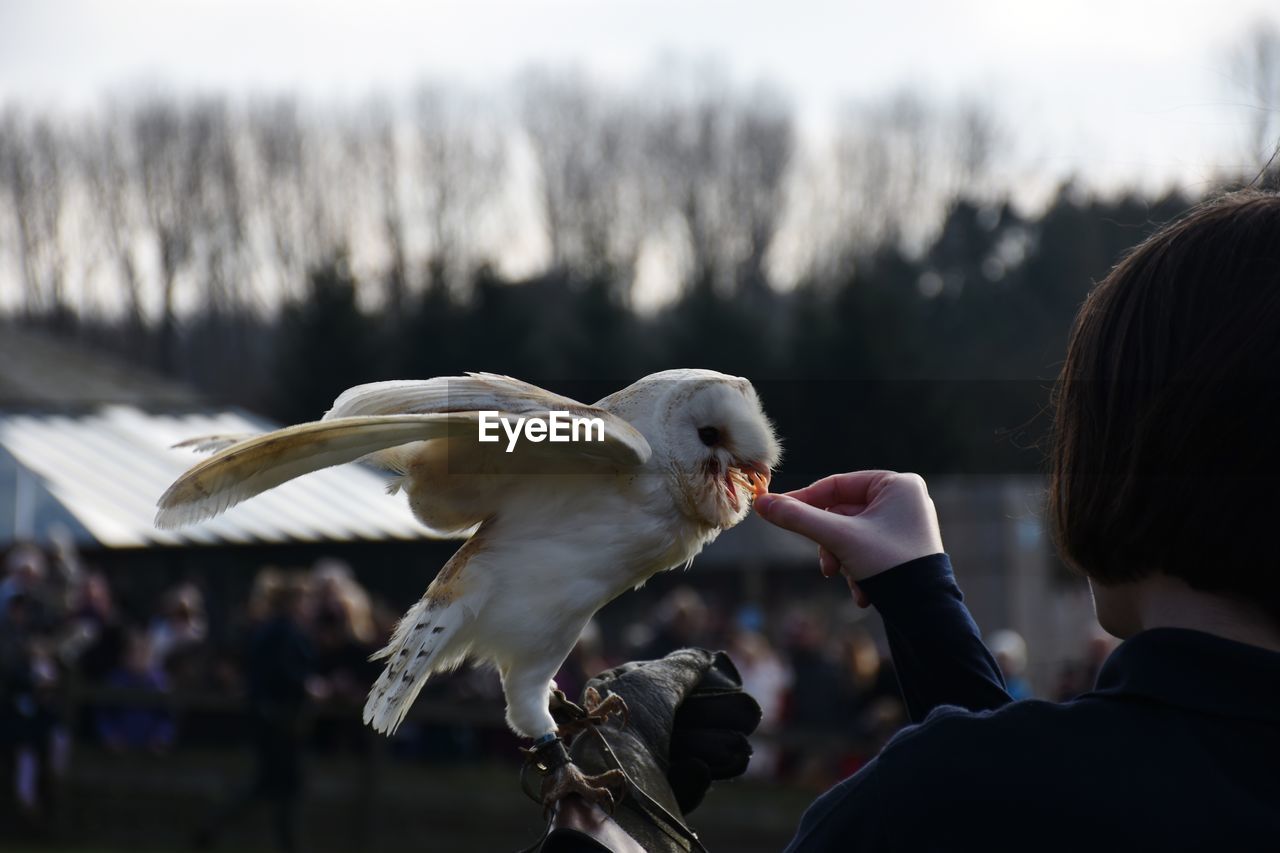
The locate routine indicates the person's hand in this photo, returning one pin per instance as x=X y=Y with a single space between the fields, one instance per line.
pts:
x=690 y=715
x=686 y=726
x=863 y=522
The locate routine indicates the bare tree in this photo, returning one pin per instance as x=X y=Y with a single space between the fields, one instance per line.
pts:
x=50 y=205
x=380 y=147
x=17 y=170
x=979 y=139
x=225 y=271
x=279 y=164
x=682 y=148
x=893 y=166
x=462 y=165
x=108 y=169
x=759 y=149
x=32 y=162
x=723 y=160
x=170 y=159
x=302 y=175
x=204 y=205
x=588 y=150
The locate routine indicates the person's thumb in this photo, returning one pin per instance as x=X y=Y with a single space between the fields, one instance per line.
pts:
x=826 y=528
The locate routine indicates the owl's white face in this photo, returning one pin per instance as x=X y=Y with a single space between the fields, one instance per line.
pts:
x=721 y=446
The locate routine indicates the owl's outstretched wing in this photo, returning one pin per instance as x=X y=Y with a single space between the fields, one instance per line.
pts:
x=377 y=421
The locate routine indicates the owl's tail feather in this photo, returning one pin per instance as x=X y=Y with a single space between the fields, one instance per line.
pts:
x=426 y=641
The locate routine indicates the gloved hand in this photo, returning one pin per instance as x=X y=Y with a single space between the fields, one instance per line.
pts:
x=690 y=709
x=687 y=727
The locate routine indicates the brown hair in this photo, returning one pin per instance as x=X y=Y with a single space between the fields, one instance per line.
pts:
x=1166 y=445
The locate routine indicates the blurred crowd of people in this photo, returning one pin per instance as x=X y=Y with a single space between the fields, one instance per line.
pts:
x=74 y=668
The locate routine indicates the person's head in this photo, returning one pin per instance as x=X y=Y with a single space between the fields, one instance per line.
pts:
x=1165 y=459
x=277 y=593
x=289 y=599
x=265 y=585
x=25 y=565
x=684 y=613
x=335 y=590
x=95 y=595
x=184 y=605
x=861 y=656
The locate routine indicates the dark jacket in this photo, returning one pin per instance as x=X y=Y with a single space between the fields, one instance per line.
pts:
x=1177 y=748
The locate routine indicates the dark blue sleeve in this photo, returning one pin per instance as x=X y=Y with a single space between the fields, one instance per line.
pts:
x=937 y=649
x=940 y=661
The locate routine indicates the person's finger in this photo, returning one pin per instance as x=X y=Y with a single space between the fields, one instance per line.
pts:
x=848 y=488
x=829 y=564
x=823 y=527
x=847 y=509
x=859 y=597
x=831 y=567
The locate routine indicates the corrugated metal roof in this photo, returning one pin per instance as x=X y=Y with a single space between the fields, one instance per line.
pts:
x=107 y=469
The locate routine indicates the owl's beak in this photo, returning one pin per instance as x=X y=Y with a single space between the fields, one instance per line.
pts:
x=758 y=476
x=751 y=476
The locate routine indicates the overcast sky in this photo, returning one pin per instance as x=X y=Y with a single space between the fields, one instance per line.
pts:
x=1120 y=90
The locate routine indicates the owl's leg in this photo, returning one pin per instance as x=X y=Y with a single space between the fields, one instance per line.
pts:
x=562 y=778
x=532 y=718
x=528 y=694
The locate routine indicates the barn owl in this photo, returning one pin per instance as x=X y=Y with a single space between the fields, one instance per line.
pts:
x=555 y=529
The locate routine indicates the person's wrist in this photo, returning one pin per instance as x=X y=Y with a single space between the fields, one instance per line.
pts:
x=906 y=580
x=870 y=563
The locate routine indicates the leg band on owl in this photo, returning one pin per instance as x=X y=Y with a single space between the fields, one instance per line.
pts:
x=544 y=740
x=549 y=754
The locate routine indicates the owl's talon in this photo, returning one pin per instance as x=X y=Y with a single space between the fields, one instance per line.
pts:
x=600 y=709
x=560 y=778
x=599 y=790
x=562 y=708
x=595 y=712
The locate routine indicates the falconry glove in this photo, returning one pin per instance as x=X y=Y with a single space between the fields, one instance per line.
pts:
x=685 y=727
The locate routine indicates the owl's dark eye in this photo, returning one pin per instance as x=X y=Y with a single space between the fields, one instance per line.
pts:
x=710 y=436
